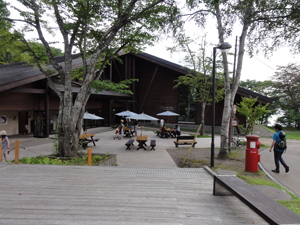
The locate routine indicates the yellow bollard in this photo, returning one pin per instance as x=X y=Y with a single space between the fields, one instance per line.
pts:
x=0 y=150
x=17 y=146
x=89 y=156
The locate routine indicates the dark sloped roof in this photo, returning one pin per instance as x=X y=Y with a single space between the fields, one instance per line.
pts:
x=184 y=70
x=163 y=62
x=261 y=98
x=19 y=71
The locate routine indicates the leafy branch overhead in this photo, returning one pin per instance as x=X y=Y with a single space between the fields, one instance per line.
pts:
x=121 y=87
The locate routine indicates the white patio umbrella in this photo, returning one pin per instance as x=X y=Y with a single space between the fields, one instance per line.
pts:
x=168 y=113
x=142 y=116
x=89 y=116
x=126 y=113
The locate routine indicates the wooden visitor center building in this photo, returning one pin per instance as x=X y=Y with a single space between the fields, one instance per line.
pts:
x=27 y=99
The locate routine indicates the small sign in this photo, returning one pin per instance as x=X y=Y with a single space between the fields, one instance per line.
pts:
x=252 y=144
x=234 y=123
x=234 y=109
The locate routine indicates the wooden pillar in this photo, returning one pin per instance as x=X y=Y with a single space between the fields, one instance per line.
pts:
x=109 y=112
x=47 y=114
x=110 y=70
x=134 y=106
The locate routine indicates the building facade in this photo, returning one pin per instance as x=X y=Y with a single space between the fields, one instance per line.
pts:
x=27 y=99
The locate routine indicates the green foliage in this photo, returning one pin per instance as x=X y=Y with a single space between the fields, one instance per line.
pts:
x=121 y=87
x=287 y=85
x=13 y=50
x=199 y=79
x=248 y=108
x=262 y=87
x=293 y=204
x=265 y=88
x=96 y=160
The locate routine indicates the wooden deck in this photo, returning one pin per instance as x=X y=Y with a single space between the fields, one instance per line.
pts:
x=70 y=195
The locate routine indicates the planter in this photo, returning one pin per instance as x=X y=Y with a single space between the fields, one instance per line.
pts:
x=111 y=161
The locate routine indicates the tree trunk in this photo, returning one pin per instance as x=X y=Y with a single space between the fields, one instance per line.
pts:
x=229 y=92
x=202 y=117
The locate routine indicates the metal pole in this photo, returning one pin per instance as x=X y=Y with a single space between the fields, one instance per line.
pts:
x=212 y=157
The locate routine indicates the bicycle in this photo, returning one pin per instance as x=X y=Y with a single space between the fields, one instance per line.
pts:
x=237 y=142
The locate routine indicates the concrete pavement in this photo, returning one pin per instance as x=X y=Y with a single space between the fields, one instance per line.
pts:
x=130 y=158
x=292 y=158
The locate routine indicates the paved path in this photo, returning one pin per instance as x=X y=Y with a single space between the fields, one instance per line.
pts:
x=131 y=158
x=45 y=194
x=292 y=158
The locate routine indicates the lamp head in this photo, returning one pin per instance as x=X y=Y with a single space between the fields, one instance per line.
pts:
x=224 y=46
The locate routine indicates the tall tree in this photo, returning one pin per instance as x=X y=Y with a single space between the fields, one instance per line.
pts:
x=199 y=79
x=287 y=84
x=250 y=14
x=100 y=29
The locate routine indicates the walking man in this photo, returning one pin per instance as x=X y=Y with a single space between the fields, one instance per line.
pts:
x=277 y=152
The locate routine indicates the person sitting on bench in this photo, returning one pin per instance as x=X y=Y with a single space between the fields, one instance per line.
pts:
x=164 y=132
x=177 y=131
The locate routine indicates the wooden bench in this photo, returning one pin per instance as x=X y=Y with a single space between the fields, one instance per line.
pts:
x=86 y=141
x=184 y=140
x=152 y=144
x=269 y=209
x=129 y=143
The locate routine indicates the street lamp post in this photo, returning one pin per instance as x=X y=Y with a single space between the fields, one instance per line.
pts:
x=222 y=46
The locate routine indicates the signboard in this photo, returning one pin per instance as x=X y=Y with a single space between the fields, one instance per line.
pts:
x=252 y=144
x=234 y=109
x=234 y=123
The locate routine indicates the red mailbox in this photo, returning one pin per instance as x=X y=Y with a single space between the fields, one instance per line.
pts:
x=252 y=156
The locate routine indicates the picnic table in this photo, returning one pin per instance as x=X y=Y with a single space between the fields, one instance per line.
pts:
x=86 y=140
x=171 y=132
x=142 y=139
x=128 y=131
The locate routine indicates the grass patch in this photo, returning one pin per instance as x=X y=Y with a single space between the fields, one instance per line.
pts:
x=79 y=161
x=264 y=146
x=291 y=136
x=193 y=163
x=268 y=128
x=293 y=204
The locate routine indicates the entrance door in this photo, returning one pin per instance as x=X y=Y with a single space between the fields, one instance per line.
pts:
x=23 y=119
x=39 y=124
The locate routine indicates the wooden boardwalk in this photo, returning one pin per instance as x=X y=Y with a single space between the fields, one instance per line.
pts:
x=71 y=195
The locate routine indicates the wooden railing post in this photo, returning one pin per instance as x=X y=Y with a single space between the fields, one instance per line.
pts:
x=17 y=147
x=89 y=156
